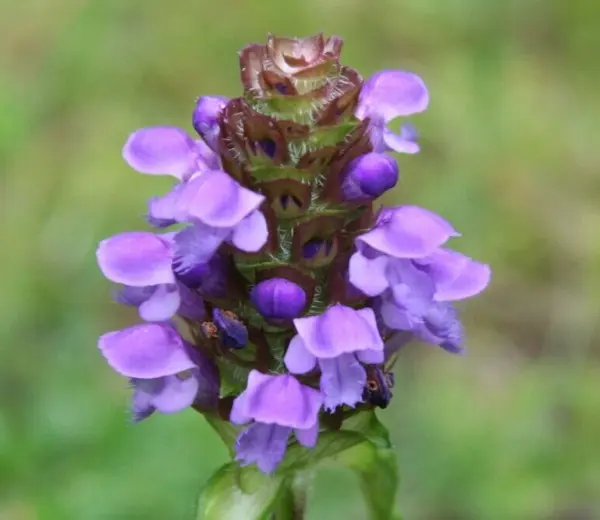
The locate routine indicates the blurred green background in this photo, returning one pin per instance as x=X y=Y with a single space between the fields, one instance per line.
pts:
x=510 y=156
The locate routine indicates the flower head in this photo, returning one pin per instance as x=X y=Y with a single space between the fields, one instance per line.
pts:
x=284 y=274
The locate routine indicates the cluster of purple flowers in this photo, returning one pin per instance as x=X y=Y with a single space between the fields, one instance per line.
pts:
x=399 y=273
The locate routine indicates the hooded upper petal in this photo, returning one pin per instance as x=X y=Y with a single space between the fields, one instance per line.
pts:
x=338 y=330
x=277 y=399
x=136 y=258
x=145 y=351
x=161 y=150
x=217 y=200
x=407 y=232
x=392 y=93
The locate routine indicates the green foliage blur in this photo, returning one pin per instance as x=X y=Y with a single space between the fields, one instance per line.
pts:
x=510 y=155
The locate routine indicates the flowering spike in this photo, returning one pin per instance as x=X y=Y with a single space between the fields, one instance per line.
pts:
x=297 y=293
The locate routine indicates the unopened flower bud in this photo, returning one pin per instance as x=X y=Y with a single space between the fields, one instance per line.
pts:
x=278 y=298
x=370 y=176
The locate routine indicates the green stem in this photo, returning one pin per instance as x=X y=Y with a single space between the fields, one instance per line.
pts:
x=226 y=431
x=293 y=498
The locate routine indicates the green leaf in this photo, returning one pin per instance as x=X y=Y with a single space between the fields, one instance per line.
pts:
x=363 y=447
x=375 y=463
x=368 y=424
x=376 y=469
x=233 y=493
x=330 y=443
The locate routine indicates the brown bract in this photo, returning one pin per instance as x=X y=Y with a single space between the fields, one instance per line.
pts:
x=284 y=65
x=341 y=98
x=245 y=134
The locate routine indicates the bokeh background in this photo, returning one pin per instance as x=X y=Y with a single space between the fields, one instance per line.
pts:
x=510 y=156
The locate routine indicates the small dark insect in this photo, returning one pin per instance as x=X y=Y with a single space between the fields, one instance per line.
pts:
x=232 y=332
x=379 y=385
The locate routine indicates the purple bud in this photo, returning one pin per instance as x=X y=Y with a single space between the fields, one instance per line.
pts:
x=278 y=298
x=205 y=117
x=369 y=176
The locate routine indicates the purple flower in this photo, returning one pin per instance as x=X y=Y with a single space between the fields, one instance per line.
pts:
x=369 y=176
x=406 y=232
x=278 y=299
x=166 y=374
x=337 y=340
x=205 y=118
x=142 y=262
x=146 y=351
x=277 y=404
x=220 y=209
x=444 y=275
x=402 y=262
x=217 y=200
x=417 y=303
x=167 y=150
x=386 y=95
